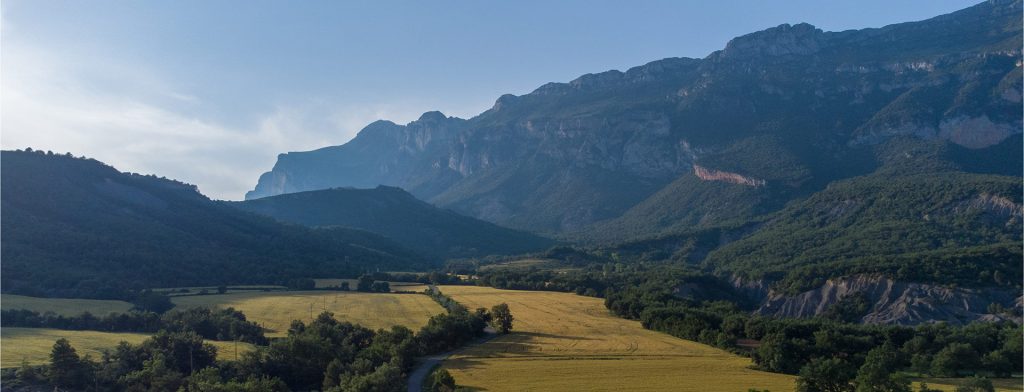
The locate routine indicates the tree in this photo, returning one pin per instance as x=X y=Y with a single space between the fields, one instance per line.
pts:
x=953 y=358
x=345 y=286
x=153 y=302
x=66 y=369
x=440 y=381
x=501 y=318
x=877 y=373
x=222 y=289
x=365 y=283
x=380 y=287
x=826 y=375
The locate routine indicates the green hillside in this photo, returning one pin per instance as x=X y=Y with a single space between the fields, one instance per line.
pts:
x=75 y=227
x=396 y=214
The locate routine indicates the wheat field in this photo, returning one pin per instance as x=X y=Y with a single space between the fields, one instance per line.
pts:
x=562 y=341
x=33 y=345
x=276 y=310
x=63 y=306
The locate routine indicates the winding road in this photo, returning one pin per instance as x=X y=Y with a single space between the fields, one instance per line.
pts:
x=418 y=375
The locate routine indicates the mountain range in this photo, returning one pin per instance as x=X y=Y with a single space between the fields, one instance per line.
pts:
x=682 y=144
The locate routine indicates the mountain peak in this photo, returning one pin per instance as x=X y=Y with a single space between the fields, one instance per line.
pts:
x=432 y=116
x=782 y=40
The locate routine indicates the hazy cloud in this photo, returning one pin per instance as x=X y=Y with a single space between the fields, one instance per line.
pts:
x=139 y=124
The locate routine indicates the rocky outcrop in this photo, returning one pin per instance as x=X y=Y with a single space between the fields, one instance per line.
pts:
x=733 y=178
x=895 y=302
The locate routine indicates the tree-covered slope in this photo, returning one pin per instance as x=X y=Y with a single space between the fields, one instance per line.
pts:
x=398 y=215
x=948 y=227
x=77 y=227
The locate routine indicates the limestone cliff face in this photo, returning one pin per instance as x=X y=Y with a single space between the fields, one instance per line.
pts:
x=893 y=302
x=790 y=105
x=717 y=175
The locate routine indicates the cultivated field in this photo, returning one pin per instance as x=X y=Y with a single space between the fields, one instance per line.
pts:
x=950 y=384
x=34 y=344
x=63 y=306
x=276 y=310
x=564 y=342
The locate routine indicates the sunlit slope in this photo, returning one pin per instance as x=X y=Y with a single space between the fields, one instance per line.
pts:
x=563 y=342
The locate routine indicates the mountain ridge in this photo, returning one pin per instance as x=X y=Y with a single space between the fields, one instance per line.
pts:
x=568 y=157
x=396 y=214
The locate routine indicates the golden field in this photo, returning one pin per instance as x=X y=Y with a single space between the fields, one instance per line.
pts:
x=276 y=310
x=562 y=341
x=63 y=306
x=34 y=344
x=950 y=384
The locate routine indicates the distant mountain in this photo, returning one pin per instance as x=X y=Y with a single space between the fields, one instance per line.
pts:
x=75 y=227
x=683 y=144
x=398 y=215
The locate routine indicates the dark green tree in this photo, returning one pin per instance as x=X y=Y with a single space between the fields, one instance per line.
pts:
x=440 y=381
x=66 y=368
x=878 y=372
x=365 y=283
x=501 y=318
x=826 y=375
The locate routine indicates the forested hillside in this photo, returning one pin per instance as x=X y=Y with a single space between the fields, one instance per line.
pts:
x=74 y=227
x=394 y=213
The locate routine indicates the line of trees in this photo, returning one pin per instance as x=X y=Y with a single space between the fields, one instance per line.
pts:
x=214 y=324
x=326 y=354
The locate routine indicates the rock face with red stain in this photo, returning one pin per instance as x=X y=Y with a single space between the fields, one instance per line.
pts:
x=724 y=176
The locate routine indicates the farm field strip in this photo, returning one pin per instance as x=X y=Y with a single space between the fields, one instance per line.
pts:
x=569 y=342
x=276 y=310
x=63 y=306
x=33 y=345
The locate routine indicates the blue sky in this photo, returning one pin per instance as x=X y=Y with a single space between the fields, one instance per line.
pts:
x=209 y=92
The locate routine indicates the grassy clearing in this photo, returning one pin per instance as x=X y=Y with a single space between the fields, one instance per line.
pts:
x=34 y=344
x=63 y=306
x=276 y=310
x=563 y=341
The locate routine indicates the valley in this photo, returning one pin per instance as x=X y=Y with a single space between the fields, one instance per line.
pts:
x=800 y=210
x=564 y=341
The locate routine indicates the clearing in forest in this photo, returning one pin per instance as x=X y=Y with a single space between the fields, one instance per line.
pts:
x=562 y=341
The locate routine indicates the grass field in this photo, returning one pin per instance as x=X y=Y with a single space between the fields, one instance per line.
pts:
x=34 y=344
x=63 y=306
x=564 y=342
x=276 y=310
x=950 y=384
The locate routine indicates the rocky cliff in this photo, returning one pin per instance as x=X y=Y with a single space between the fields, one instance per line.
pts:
x=791 y=108
x=894 y=302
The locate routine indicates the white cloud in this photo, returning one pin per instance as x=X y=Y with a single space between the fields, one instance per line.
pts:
x=142 y=125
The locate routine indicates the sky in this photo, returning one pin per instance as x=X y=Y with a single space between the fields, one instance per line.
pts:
x=210 y=92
